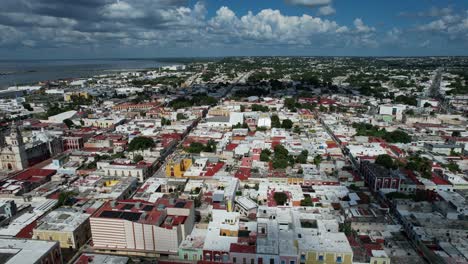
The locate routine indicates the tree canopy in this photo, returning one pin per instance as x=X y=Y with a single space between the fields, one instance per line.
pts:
x=141 y=143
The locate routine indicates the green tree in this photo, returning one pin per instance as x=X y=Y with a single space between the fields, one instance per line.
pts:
x=397 y=136
x=307 y=201
x=141 y=143
x=297 y=130
x=180 y=116
x=280 y=198
x=281 y=158
x=317 y=160
x=265 y=155
x=275 y=122
x=302 y=158
x=68 y=123
x=287 y=124
x=27 y=106
x=385 y=161
x=195 y=147
x=210 y=146
x=137 y=158
x=66 y=198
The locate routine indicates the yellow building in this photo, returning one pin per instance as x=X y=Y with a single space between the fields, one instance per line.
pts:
x=329 y=258
x=177 y=168
x=326 y=248
x=68 y=226
x=68 y=96
x=379 y=257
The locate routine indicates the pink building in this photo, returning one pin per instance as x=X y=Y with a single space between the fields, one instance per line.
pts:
x=142 y=227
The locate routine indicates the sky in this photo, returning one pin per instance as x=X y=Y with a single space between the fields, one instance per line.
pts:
x=74 y=29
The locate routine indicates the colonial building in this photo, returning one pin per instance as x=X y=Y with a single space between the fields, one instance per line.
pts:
x=13 y=153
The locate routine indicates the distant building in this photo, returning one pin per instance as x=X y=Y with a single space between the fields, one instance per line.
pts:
x=19 y=251
x=13 y=155
x=68 y=226
x=142 y=228
x=177 y=168
x=69 y=95
x=378 y=177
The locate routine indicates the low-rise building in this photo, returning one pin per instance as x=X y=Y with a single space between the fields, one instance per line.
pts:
x=68 y=226
x=142 y=228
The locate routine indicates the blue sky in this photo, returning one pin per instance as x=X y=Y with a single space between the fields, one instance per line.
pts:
x=172 y=28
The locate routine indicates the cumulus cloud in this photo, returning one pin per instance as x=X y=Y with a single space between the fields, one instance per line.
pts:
x=309 y=3
x=271 y=26
x=170 y=23
x=361 y=27
x=327 y=10
x=453 y=26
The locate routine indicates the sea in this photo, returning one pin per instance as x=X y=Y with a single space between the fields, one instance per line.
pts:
x=24 y=72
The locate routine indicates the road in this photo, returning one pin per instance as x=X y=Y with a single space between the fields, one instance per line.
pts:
x=355 y=165
x=434 y=90
x=172 y=152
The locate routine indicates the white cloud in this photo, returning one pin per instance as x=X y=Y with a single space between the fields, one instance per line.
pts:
x=361 y=27
x=273 y=27
x=327 y=10
x=121 y=9
x=309 y=3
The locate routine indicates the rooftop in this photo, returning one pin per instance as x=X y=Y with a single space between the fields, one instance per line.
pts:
x=62 y=219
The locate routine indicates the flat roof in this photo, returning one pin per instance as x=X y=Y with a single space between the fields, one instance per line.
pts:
x=62 y=219
x=22 y=251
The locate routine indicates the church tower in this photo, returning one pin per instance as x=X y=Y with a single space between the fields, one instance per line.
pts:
x=17 y=158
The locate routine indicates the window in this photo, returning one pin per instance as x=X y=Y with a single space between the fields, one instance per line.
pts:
x=272 y=261
x=320 y=258
x=234 y=260
x=252 y=261
x=292 y=262
x=339 y=259
x=283 y=262
x=244 y=261
x=303 y=257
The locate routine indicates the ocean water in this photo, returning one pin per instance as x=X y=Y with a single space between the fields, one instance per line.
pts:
x=33 y=71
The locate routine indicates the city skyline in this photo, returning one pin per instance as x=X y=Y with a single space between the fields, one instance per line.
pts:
x=50 y=29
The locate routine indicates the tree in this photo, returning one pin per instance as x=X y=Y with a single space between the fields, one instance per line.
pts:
x=195 y=147
x=66 y=198
x=180 y=116
x=397 y=136
x=287 y=124
x=165 y=122
x=385 y=161
x=302 y=158
x=275 y=122
x=280 y=163
x=427 y=105
x=297 y=130
x=281 y=157
x=68 y=123
x=307 y=201
x=317 y=160
x=265 y=155
x=280 y=198
x=137 y=158
x=27 y=106
x=453 y=167
x=141 y=143
x=210 y=146
x=290 y=103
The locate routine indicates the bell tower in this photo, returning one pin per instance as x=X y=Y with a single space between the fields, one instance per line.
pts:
x=14 y=140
